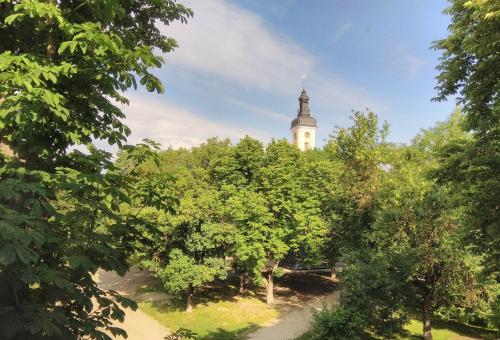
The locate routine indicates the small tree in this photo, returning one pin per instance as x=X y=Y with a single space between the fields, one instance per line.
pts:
x=188 y=248
x=251 y=218
x=337 y=323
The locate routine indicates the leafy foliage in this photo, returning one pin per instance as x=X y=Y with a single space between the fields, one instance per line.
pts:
x=337 y=323
x=240 y=207
x=469 y=68
x=406 y=249
x=181 y=334
x=63 y=68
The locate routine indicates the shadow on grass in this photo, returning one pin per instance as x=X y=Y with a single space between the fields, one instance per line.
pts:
x=217 y=291
x=295 y=288
x=214 y=292
x=222 y=334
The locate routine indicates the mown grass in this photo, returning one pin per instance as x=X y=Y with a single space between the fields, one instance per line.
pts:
x=448 y=330
x=441 y=330
x=219 y=312
x=222 y=320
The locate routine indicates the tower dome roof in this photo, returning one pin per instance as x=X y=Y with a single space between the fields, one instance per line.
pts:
x=303 y=120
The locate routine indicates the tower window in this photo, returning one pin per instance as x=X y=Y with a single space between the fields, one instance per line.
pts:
x=307 y=135
x=306 y=146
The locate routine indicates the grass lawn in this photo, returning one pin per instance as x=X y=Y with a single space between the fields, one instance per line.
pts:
x=219 y=312
x=441 y=330
x=214 y=320
x=448 y=330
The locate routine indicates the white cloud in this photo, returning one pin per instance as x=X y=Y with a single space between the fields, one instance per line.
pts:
x=174 y=126
x=226 y=42
x=262 y=111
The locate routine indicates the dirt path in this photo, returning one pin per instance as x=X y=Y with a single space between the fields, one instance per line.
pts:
x=138 y=325
x=294 y=323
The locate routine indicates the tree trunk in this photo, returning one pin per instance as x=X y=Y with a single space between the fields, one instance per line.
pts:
x=333 y=274
x=51 y=40
x=189 y=300
x=426 y=318
x=242 y=283
x=269 y=288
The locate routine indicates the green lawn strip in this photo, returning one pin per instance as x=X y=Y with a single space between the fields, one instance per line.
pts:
x=214 y=320
x=448 y=330
x=441 y=330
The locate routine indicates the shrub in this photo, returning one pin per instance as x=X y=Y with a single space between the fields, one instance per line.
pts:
x=337 y=323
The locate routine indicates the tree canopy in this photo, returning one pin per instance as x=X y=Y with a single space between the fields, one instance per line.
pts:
x=64 y=66
x=470 y=69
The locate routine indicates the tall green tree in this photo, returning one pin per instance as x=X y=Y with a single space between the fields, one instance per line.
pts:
x=470 y=69
x=188 y=248
x=247 y=209
x=418 y=229
x=197 y=240
x=63 y=68
x=251 y=217
x=296 y=218
x=361 y=153
x=407 y=249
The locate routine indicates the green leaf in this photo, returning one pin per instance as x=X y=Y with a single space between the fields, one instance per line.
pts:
x=7 y=254
x=10 y=19
x=64 y=45
x=26 y=255
x=72 y=46
x=82 y=261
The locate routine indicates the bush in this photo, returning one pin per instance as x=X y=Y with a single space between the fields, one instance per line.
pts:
x=181 y=334
x=337 y=323
x=495 y=315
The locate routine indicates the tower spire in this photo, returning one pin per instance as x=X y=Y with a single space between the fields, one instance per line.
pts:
x=303 y=103
x=304 y=125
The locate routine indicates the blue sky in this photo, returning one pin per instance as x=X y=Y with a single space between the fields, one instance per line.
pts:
x=239 y=64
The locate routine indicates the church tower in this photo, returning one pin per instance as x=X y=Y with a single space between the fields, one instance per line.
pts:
x=304 y=125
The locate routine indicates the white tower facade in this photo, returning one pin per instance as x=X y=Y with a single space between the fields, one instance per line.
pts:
x=304 y=125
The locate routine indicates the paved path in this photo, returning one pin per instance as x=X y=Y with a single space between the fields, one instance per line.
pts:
x=138 y=325
x=294 y=323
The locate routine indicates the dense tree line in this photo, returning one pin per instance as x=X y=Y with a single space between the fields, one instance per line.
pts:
x=379 y=208
x=240 y=207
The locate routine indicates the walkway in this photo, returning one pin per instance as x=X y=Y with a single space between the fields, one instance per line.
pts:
x=294 y=323
x=138 y=325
